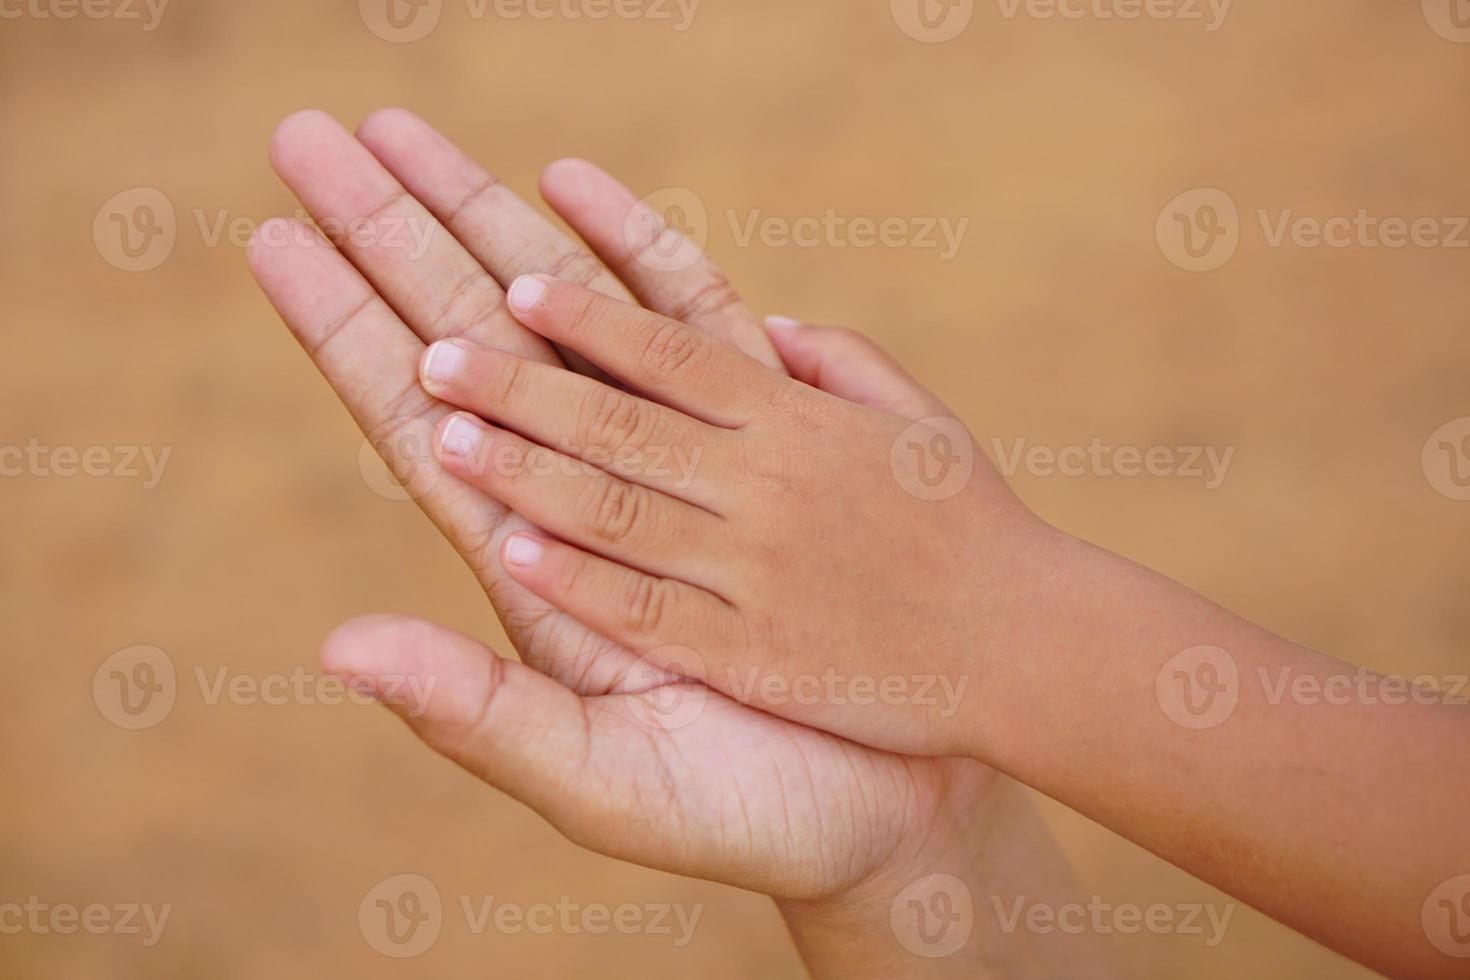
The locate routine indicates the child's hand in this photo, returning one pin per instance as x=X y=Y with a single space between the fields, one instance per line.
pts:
x=744 y=528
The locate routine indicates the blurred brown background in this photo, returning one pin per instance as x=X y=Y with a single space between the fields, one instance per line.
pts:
x=1061 y=319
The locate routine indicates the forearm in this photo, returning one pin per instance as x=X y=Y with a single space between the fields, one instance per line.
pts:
x=996 y=854
x=1276 y=773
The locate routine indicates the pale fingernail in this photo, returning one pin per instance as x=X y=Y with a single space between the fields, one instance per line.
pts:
x=782 y=322
x=443 y=362
x=523 y=551
x=524 y=293
x=461 y=437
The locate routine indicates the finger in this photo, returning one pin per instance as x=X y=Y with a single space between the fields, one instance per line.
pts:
x=359 y=344
x=844 y=363
x=435 y=285
x=623 y=231
x=513 y=727
x=637 y=440
x=645 y=613
x=582 y=504
x=508 y=236
x=662 y=358
x=370 y=358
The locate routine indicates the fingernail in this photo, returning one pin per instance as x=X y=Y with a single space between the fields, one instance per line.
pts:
x=443 y=362
x=461 y=437
x=782 y=322
x=524 y=293
x=522 y=550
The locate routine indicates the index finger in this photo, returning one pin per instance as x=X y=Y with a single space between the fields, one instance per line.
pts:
x=668 y=361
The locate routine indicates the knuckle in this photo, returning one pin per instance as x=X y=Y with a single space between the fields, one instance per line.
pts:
x=613 y=420
x=579 y=313
x=569 y=574
x=506 y=379
x=672 y=349
x=644 y=604
x=615 y=509
x=713 y=297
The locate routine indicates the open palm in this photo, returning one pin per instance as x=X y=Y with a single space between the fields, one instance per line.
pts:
x=630 y=761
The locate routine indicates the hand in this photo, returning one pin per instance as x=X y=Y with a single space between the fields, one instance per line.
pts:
x=791 y=561
x=736 y=794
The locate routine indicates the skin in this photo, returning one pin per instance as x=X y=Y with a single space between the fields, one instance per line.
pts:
x=803 y=548
x=624 y=757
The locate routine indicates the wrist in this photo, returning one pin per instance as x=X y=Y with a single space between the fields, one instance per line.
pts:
x=935 y=909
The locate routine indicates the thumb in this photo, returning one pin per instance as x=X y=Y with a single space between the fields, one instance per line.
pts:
x=515 y=728
x=844 y=363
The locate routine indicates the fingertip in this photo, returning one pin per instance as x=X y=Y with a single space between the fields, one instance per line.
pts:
x=297 y=134
x=526 y=292
x=366 y=646
x=522 y=552
x=384 y=120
